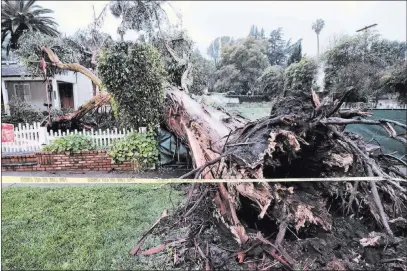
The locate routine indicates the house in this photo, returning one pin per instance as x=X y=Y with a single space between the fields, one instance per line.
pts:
x=69 y=90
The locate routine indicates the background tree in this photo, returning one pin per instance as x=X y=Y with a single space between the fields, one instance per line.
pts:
x=90 y=41
x=262 y=34
x=394 y=80
x=278 y=48
x=19 y=16
x=139 y=15
x=214 y=49
x=299 y=77
x=202 y=73
x=358 y=62
x=175 y=47
x=29 y=52
x=241 y=65
x=271 y=82
x=296 y=53
x=317 y=26
x=256 y=33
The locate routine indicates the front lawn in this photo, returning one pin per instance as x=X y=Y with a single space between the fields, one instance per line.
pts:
x=86 y=227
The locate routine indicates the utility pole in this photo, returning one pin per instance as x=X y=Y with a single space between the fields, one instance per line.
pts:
x=364 y=29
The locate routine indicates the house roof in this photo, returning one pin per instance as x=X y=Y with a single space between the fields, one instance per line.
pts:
x=13 y=70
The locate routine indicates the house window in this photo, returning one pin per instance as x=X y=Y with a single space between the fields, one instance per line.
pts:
x=22 y=91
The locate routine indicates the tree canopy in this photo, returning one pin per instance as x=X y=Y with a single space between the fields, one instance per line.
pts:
x=358 y=62
x=299 y=77
x=202 y=73
x=278 y=48
x=19 y=16
x=241 y=65
x=214 y=49
x=140 y=15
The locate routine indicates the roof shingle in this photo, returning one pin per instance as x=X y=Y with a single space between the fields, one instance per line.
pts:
x=13 y=70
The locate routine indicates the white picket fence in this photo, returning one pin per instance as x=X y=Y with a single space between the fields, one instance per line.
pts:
x=32 y=137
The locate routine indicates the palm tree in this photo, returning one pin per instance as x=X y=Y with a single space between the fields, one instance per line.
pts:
x=317 y=27
x=18 y=16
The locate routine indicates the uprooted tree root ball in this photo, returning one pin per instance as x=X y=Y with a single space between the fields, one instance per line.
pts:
x=335 y=225
x=195 y=237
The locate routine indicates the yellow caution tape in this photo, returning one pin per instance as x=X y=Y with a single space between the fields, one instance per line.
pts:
x=90 y=180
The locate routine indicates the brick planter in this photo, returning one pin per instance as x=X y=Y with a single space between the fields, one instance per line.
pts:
x=49 y=161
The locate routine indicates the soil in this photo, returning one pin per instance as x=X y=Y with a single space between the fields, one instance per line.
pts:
x=311 y=249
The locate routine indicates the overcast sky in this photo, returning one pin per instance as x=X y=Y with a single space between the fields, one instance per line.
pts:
x=206 y=20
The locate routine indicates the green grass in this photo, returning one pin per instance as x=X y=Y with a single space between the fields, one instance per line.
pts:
x=87 y=227
x=251 y=111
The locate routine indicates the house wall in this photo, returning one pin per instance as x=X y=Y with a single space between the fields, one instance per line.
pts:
x=82 y=86
x=37 y=89
x=84 y=90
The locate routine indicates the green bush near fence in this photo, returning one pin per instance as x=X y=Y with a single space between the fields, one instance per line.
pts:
x=70 y=144
x=139 y=147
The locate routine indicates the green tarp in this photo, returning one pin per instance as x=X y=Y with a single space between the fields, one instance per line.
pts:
x=369 y=132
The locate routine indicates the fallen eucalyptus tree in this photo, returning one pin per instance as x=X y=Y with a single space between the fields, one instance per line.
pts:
x=302 y=137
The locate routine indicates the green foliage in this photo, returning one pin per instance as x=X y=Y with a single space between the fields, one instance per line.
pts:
x=20 y=16
x=278 y=49
x=202 y=73
x=181 y=43
x=318 y=25
x=241 y=65
x=394 y=80
x=256 y=33
x=30 y=53
x=101 y=120
x=88 y=42
x=22 y=112
x=70 y=144
x=295 y=54
x=299 y=76
x=138 y=15
x=271 y=82
x=134 y=75
x=140 y=147
x=358 y=62
x=214 y=49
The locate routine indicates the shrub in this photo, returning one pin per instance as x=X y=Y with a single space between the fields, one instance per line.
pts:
x=134 y=75
x=22 y=112
x=70 y=144
x=271 y=82
x=299 y=76
x=139 y=147
x=394 y=80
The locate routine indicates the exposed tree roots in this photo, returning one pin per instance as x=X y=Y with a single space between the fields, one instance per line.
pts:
x=298 y=140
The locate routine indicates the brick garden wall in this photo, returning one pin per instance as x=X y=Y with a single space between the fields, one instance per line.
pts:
x=48 y=161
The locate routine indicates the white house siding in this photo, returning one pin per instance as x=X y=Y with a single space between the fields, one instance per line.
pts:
x=37 y=89
x=84 y=90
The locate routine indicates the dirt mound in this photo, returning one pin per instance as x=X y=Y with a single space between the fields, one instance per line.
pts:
x=195 y=237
